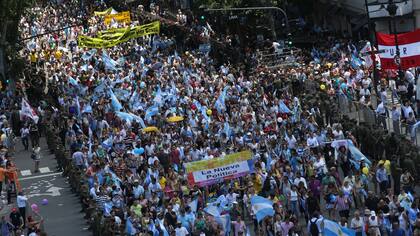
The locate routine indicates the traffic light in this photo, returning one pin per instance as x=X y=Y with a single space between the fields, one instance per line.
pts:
x=289 y=41
x=202 y=17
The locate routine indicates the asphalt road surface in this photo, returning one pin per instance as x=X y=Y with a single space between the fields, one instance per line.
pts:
x=62 y=216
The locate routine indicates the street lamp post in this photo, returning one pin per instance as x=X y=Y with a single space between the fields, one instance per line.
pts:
x=392 y=10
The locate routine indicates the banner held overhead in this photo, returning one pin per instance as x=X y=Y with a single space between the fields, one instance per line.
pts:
x=208 y=172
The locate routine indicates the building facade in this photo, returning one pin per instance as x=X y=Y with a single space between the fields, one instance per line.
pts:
x=349 y=17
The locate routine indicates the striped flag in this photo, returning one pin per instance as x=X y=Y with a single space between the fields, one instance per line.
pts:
x=332 y=228
x=409 y=45
x=262 y=207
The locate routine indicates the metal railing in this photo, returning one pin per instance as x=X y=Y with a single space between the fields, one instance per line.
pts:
x=366 y=114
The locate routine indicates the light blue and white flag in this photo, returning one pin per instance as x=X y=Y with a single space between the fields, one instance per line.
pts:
x=225 y=222
x=269 y=160
x=212 y=210
x=121 y=61
x=262 y=207
x=108 y=208
x=414 y=130
x=89 y=54
x=110 y=64
x=355 y=62
x=100 y=88
x=84 y=67
x=226 y=129
x=135 y=101
x=78 y=106
x=158 y=97
x=130 y=117
x=332 y=228
x=72 y=81
x=193 y=205
x=151 y=111
x=220 y=102
x=87 y=109
x=283 y=108
x=116 y=105
x=356 y=155
x=122 y=94
x=162 y=227
x=107 y=144
x=129 y=227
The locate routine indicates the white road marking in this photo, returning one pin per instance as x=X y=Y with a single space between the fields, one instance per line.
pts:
x=44 y=170
x=41 y=176
x=25 y=172
x=53 y=192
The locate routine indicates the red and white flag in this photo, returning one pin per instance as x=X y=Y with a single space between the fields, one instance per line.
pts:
x=27 y=110
x=409 y=45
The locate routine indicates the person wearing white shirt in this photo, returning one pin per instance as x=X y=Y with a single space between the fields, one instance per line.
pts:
x=364 y=92
x=21 y=201
x=366 y=82
x=383 y=95
x=409 y=76
x=150 y=149
x=406 y=109
x=152 y=160
x=396 y=116
x=24 y=135
x=231 y=196
x=393 y=87
x=312 y=141
x=338 y=133
x=181 y=230
x=291 y=141
x=357 y=223
x=381 y=114
x=299 y=179
x=320 y=166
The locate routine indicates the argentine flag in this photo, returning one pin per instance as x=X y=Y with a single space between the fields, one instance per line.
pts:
x=225 y=222
x=283 y=108
x=212 y=210
x=262 y=207
x=129 y=227
x=332 y=228
x=107 y=144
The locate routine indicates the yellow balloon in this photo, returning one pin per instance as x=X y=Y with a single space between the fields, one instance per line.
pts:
x=209 y=112
x=365 y=170
x=322 y=86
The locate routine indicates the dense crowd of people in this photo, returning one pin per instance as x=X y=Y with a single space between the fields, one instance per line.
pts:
x=112 y=111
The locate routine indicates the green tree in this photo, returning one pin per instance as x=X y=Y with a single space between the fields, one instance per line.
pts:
x=11 y=64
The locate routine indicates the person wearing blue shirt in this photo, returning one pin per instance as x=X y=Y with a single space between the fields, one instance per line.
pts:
x=396 y=230
x=190 y=217
x=412 y=213
x=185 y=220
x=382 y=178
x=137 y=189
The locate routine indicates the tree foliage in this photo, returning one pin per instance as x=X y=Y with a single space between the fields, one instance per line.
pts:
x=11 y=12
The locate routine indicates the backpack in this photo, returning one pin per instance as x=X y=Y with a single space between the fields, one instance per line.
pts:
x=313 y=228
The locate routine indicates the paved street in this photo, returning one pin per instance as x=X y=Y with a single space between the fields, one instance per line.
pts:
x=62 y=214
